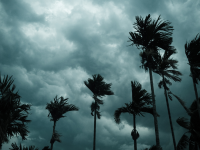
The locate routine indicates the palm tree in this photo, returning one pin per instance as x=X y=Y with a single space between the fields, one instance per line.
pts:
x=12 y=118
x=151 y=36
x=193 y=127
x=164 y=64
x=56 y=111
x=98 y=88
x=192 y=52
x=140 y=98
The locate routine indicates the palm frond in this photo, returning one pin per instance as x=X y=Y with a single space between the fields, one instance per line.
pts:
x=149 y=110
x=98 y=114
x=182 y=103
x=118 y=112
x=191 y=143
x=56 y=137
x=184 y=122
x=183 y=142
x=193 y=106
x=98 y=100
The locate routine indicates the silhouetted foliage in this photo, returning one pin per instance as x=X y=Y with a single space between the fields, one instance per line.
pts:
x=99 y=88
x=11 y=112
x=56 y=110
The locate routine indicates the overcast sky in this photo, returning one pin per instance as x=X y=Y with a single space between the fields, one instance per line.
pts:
x=51 y=47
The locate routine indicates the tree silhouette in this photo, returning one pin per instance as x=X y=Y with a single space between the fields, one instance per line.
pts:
x=192 y=51
x=56 y=111
x=140 y=100
x=151 y=36
x=163 y=70
x=12 y=118
x=98 y=88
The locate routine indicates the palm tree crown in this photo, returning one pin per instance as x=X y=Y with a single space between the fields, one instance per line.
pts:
x=140 y=100
x=192 y=52
x=57 y=109
x=151 y=36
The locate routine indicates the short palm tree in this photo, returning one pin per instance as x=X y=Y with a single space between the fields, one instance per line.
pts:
x=12 y=118
x=192 y=51
x=99 y=88
x=140 y=100
x=56 y=111
x=151 y=36
x=193 y=127
x=163 y=70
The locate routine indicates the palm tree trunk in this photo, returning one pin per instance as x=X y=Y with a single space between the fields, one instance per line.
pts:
x=196 y=94
x=52 y=142
x=170 y=119
x=94 y=140
x=154 y=111
x=134 y=127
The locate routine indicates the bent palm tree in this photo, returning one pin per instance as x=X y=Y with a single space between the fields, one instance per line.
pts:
x=193 y=127
x=56 y=111
x=192 y=52
x=151 y=36
x=140 y=100
x=164 y=64
x=12 y=118
x=98 y=88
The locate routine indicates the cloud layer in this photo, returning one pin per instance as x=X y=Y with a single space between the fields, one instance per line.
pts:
x=52 y=47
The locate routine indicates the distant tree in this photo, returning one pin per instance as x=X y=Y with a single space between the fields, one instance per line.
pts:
x=140 y=100
x=192 y=51
x=164 y=65
x=99 y=88
x=151 y=36
x=12 y=118
x=56 y=111
x=15 y=147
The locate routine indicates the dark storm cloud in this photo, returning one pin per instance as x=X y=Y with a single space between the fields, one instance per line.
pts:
x=19 y=11
x=52 y=47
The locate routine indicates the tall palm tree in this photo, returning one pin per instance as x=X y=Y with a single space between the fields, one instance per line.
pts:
x=151 y=36
x=140 y=100
x=56 y=111
x=12 y=118
x=193 y=127
x=164 y=64
x=99 y=88
x=192 y=51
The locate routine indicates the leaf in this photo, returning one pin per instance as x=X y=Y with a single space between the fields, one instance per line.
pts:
x=184 y=122
x=182 y=144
